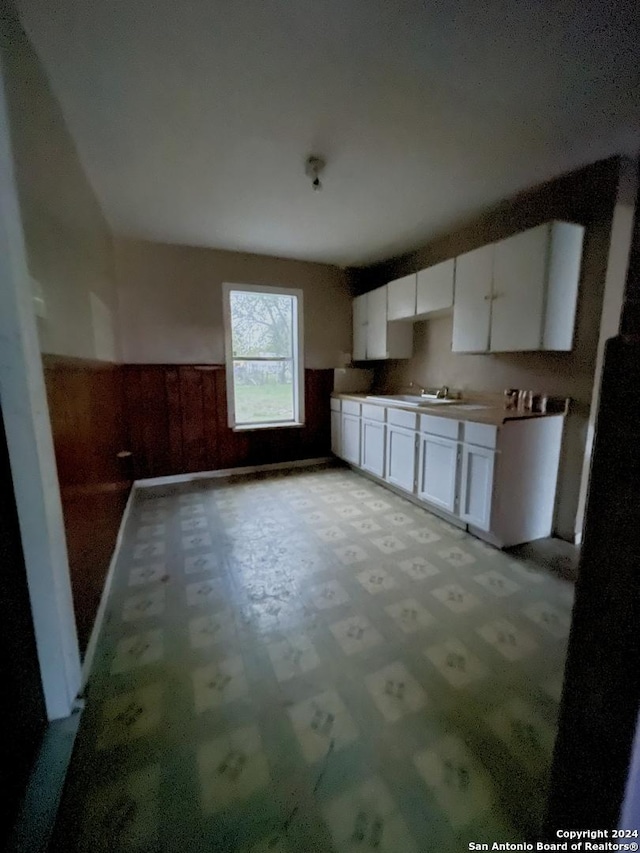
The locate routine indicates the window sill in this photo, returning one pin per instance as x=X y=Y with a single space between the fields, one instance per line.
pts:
x=252 y=427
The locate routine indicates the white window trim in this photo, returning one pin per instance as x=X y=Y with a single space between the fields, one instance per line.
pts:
x=298 y=349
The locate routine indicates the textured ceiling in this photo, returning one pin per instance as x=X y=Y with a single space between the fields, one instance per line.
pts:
x=193 y=119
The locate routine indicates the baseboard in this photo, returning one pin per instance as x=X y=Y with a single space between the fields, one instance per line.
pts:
x=174 y=479
x=71 y=492
x=439 y=513
x=87 y=663
x=37 y=816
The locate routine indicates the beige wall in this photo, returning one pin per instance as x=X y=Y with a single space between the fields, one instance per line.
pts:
x=169 y=297
x=69 y=245
x=171 y=302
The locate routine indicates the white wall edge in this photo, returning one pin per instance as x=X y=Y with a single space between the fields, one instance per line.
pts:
x=230 y=472
x=621 y=238
x=31 y=454
x=87 y=664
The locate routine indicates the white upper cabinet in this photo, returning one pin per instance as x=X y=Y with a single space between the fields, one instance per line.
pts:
x=472 y=303
x=515 y=295
x=373 y=336
x=435 y=288
x=520 y=293
x=377 y=323
x=517 y=305
x=563 y=279
x=401 y=298
x=359 y=307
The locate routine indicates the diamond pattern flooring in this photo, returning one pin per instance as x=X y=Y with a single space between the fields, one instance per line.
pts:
x=308 y=662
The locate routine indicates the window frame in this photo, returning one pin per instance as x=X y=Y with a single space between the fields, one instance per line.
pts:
x=297 y=355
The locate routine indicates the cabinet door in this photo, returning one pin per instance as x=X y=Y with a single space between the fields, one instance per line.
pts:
x=401 y=457
x=435 y=288
x=476 y=487
x=438 y=471
x=377 y=323
x=350 y=439
x=519 y=272
x=401 y=298
x=359 y=307
x=373 y=435
x=563 y=278
x=335 y=433
x=472 y=300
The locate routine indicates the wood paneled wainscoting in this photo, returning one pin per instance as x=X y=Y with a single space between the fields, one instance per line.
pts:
x=173 y=419
x=178 y=422
x=88 y=421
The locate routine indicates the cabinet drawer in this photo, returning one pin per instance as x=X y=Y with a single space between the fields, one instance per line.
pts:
x=335 y=404
x=484 y=435
x=440 y=426
x=400 y=417
x=350 y=407
x=373 y=413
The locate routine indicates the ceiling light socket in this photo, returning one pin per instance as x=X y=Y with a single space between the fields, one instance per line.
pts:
x=313 y=167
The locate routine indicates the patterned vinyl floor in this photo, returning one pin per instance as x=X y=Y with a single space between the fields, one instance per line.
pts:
x=307 y=662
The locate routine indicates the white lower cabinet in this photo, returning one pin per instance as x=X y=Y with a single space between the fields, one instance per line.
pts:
x=373 y=447
x=438 y=471
x=500 y=481
x=350 y=438
x=401 y=457
x=336 y=444
x=476 y=486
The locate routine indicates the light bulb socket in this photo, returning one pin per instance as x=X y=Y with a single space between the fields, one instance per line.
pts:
x=313 y=168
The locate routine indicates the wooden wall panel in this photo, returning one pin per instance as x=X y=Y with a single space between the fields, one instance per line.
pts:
x=178 y=422
x=174 y=416
x=174 y=421
x=194 y=456
x=87 y=412
x=210 y=419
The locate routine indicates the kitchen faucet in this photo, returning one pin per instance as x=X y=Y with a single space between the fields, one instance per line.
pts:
x=441 y=394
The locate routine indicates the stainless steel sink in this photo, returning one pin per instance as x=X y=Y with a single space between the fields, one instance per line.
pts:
x=411 y=399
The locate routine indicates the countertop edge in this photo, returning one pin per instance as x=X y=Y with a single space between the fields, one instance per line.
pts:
x=493 y=416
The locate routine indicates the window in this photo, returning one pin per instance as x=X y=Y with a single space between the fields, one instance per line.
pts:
x=265 y=373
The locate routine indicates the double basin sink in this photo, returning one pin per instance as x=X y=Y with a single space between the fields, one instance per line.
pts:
x=423 y=400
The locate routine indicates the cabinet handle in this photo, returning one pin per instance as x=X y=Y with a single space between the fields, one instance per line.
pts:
x=488 y=298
